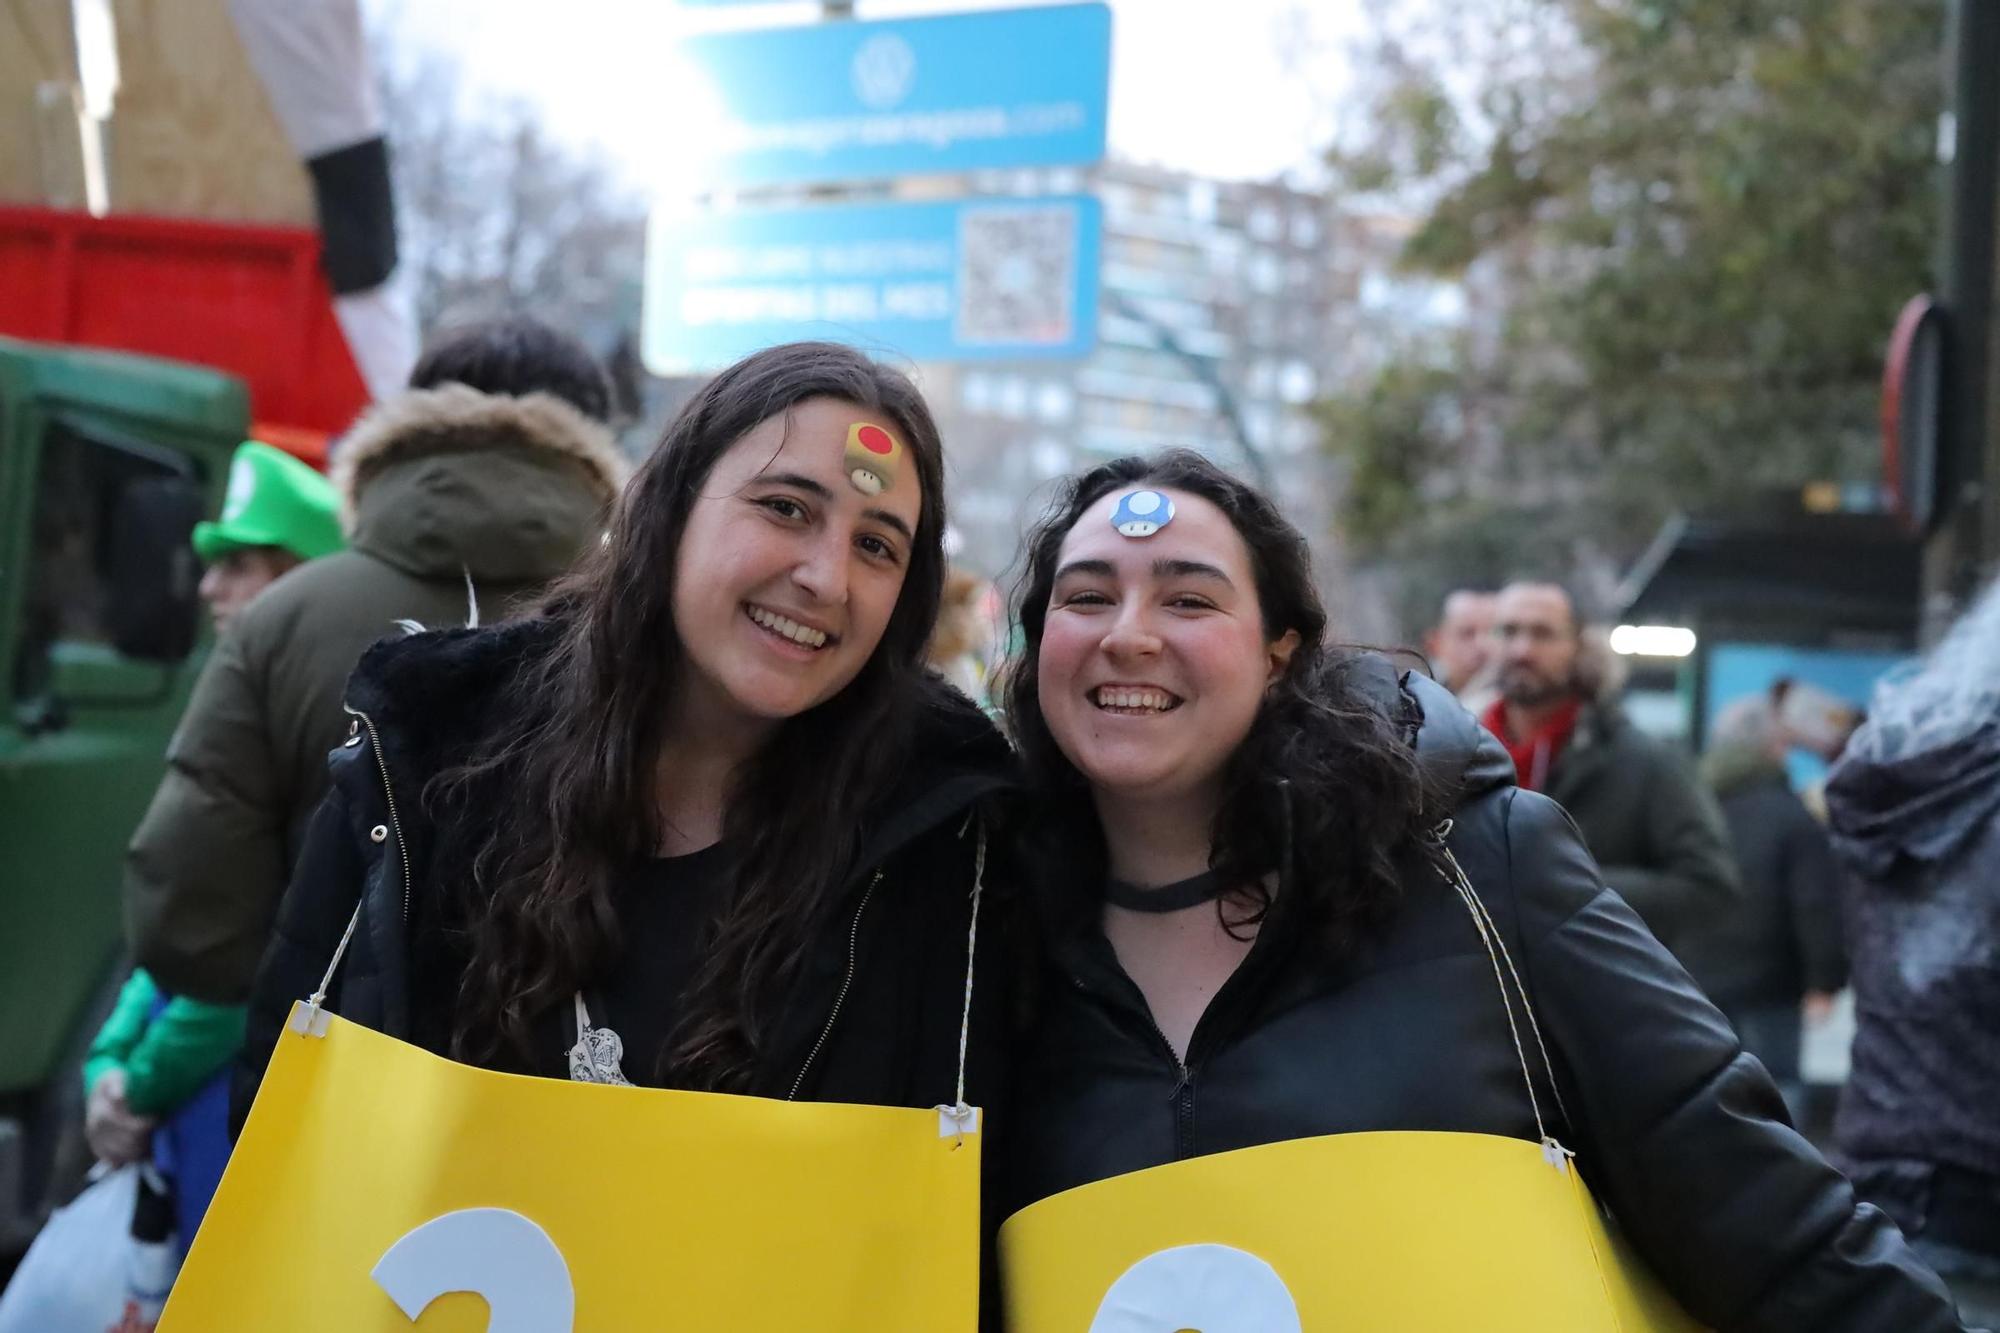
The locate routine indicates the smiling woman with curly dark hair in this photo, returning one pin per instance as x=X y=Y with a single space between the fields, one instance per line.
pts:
x=1277 y=881
x=1319 y=770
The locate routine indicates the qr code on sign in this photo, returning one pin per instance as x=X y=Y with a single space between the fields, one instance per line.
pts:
x=1017 y=274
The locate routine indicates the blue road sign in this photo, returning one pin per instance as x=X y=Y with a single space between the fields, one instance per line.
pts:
x=860 y=101
x=969 y=280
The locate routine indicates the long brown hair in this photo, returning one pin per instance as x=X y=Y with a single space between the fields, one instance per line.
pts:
x=562 y=797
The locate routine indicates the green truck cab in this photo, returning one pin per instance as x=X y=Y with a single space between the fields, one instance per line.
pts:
x=106 y=463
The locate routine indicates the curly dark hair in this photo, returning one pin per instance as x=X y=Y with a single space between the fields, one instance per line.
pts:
x=566 y=797
x=1322 y=771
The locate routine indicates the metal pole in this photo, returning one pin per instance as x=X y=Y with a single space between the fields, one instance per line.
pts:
x=1225 y=401
x=1967 y=543
x=831 y=11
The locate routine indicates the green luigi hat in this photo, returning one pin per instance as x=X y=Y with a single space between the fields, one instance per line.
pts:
x=273 y=500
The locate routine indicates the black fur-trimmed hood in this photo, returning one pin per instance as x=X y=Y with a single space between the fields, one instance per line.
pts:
x=432 y=697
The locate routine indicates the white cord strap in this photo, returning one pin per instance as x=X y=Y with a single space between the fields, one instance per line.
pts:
x=308 y=1020
x=1496 y=952
x=1535 y=1029
x=960 y=1118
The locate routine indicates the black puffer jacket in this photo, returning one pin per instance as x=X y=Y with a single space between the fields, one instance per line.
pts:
x=1675 y=1129
x=876 y=1010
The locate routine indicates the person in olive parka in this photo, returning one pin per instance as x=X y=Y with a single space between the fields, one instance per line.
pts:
x=475 y=487
x=1655 y=832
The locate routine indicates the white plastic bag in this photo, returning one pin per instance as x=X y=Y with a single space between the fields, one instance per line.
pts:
x=87 y=1272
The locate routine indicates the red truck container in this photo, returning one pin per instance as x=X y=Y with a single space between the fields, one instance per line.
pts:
x=246 y=299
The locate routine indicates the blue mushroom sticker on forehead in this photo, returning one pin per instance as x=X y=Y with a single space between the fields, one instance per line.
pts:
x=1142 y=513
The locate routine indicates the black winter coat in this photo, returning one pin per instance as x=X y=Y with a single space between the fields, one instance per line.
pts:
x=1653 y=830
x=1676 y=1130
x=1784 y=937
x=875 y=1012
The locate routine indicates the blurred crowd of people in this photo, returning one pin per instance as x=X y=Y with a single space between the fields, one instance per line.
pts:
x=1885 y=875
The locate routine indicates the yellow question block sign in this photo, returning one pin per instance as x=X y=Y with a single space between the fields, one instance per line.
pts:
x=667 y=1209
x=1390 y=1232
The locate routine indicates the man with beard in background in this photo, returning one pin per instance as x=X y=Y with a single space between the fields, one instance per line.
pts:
x=1656 y=833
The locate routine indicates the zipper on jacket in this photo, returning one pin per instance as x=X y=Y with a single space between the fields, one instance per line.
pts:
x=846 y=982
x=1213 y=1014
x=389 y=795
x=1182 y=1097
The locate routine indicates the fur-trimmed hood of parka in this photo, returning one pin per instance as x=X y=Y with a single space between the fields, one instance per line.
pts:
x=448 y=482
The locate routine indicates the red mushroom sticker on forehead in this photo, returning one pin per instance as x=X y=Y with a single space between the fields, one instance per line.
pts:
x=872 y=458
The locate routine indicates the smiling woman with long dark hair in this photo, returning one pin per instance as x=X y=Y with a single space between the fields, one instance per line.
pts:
x=701 y=822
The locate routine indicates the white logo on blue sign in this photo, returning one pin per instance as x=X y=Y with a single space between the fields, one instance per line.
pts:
x=884 y=69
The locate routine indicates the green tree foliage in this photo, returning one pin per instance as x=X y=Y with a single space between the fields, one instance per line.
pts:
x=1391 y=438
x=1693 y=222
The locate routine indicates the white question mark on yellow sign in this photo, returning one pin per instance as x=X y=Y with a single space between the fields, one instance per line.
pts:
x=1208 y=1288
x=494 y=1253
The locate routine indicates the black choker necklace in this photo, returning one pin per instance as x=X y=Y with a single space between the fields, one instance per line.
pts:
x=1202 y=888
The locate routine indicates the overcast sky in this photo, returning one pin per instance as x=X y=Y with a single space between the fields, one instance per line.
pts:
x=1226 y=88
